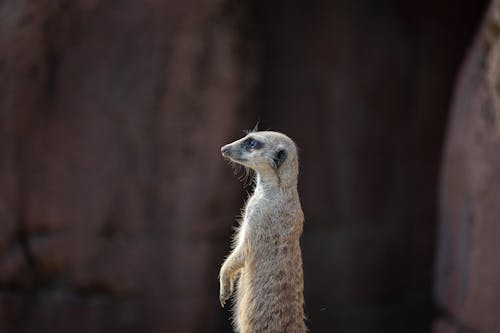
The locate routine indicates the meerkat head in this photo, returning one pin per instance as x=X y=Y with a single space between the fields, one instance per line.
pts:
x=264 y=152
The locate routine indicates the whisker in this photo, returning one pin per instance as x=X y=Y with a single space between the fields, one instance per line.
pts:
x=244 y=174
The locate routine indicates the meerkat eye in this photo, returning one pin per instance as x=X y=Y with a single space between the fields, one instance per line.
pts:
x=252 y=144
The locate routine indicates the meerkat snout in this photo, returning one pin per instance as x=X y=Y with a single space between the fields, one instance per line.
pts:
x=233 y=153
x=225 y=150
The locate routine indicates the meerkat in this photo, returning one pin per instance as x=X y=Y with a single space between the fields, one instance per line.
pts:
x=265 y=265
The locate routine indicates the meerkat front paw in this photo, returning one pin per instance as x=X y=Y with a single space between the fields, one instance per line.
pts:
x=226 y=287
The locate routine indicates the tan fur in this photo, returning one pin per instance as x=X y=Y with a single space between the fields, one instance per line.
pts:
x=266 y=252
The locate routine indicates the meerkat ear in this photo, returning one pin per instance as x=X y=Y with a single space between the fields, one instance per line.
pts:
x=279 y=158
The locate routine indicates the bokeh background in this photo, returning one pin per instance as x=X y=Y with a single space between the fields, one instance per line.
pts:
x=116 y=208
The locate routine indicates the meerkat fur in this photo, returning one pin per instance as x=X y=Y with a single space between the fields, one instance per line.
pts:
x=265 y=265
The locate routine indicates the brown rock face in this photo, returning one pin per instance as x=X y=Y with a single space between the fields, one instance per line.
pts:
x=116 y=207
x=113 y=194
x=468 y=274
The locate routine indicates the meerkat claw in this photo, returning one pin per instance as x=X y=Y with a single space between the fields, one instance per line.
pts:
x=222 y=300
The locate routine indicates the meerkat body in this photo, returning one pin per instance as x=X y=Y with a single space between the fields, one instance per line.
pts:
x=266 y=254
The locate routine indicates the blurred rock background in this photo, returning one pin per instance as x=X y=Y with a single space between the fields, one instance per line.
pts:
x=116 y=208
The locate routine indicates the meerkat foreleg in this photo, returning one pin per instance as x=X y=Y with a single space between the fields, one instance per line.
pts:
x=227 y=274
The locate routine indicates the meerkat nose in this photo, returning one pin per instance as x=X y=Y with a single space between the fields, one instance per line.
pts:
x=225 y=150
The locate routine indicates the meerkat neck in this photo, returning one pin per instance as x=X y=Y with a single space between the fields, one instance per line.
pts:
x=267 y=183
x=271 y=182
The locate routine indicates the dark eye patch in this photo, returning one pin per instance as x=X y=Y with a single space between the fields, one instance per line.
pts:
x=252 y=144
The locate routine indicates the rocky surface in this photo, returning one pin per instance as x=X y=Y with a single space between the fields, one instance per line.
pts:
x=116 y=207
x=468 y=275
x=114 y=202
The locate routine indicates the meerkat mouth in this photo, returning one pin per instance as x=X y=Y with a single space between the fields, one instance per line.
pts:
x=236 y=159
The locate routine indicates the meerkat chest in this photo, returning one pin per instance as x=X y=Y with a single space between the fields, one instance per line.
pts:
x=260 y=206
x=262 y=216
